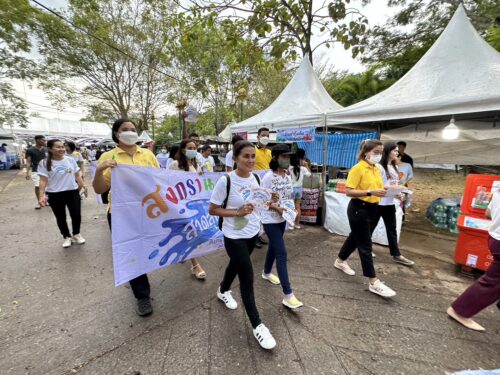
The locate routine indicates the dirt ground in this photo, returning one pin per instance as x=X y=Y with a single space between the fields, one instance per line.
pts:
x=428 y=185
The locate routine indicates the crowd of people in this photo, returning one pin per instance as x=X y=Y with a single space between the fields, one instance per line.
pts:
x=56 y=170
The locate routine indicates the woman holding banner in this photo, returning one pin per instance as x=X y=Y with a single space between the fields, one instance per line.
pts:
x=185 y=160
x=124 y=133
x=240 y=227
x=280 y=183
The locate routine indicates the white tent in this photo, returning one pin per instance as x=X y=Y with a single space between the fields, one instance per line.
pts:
x=144 y=137
x=477 y=144
x=303 y=102
x=58 y=127
x=460 y=74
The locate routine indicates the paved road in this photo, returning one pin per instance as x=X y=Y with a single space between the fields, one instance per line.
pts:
x=61 y=314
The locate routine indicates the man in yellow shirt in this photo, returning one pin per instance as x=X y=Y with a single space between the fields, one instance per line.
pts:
x=262 y=153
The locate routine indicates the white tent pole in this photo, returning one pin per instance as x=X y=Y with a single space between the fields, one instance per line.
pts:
x=323 y=177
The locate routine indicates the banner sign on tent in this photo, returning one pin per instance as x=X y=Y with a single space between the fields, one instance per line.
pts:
x=243 y=135
x=160 y=217
x=296 y=134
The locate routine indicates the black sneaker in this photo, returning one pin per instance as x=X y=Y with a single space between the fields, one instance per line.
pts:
x=144 y=307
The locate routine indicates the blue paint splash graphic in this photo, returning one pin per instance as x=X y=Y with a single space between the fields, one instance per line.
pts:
x=188 y=232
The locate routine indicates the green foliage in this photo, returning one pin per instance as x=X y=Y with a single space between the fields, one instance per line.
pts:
x=493 y=37
x=283 y=26
x=347 y=89
x=18 y=21
x=405 y=38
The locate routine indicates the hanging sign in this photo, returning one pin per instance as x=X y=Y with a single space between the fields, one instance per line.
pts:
x=296 y=134
x=243 y=135
x=192 y=114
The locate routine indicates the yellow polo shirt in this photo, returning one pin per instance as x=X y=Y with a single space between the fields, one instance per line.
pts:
x=142 y=157
x=365 y=176
x=262 y=158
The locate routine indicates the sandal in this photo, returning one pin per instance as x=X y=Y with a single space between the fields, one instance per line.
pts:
x=200 y=274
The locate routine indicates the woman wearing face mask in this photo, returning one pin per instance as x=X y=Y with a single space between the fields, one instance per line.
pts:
x=186 y=161
x=240 y=228
x=162 y=157
x=387 y=207
x=60 y=179
x=124 y=134
x=279 y=182
x=366 y=187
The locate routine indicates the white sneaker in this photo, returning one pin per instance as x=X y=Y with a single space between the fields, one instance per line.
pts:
x=344 y=267
x=264 y=337
x=77 y=238
x=378 y=287
x=228 y=299
x=67 y=242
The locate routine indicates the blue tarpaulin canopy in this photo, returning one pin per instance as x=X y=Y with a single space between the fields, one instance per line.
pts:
x=342 y=149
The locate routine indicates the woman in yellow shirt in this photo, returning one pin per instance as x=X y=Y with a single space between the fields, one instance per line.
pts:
x=366 y=187
x=124 y=133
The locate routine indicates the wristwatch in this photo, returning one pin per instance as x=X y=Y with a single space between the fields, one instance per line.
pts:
x=368 y=193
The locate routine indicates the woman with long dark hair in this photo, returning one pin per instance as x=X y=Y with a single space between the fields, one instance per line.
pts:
x=297 y=174
x=61 y=180
x=185 y=160
x=124 y=133
x=279 y=182
x=387 y=206
x=240 y=227
x=366 y=187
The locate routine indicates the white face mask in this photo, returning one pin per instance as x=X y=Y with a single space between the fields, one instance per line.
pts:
x=375 y=159
x=128 y=137
x=264 y=140
x=163 y=151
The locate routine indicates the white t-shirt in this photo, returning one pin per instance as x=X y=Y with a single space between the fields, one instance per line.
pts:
x=391 y=180
x=92 y=155
x=163 y=159
x=229 y=159
x=303 y=173
x=282 y=186
x=236 y=227
x=62 y=174
x=405 y=173
x=494 y=208
x=207 y=164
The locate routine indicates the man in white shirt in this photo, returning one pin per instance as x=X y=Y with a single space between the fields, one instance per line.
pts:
x=229 y=155
x=207 y=161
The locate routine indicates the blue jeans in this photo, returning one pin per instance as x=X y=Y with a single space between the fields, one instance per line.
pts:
x=277 y=251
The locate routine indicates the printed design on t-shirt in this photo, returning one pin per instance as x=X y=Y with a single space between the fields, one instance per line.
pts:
x=61 y=169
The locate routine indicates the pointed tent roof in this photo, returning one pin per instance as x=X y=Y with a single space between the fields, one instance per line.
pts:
x=303 y=102
x=459 y=74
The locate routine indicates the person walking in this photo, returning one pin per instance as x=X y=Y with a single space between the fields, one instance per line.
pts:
x=280 y=183
x=486 y=290
x=297 y=174
x=387 y=207
x=186 y=161
x=405 y=158
x=240 y=227
x=61 y=180
x=365 y=187
x=34 y=155
x=124 y=133
x=262 y=158
x=71 y=152
x=163 y=156
x=93 y=158
x=207 y=160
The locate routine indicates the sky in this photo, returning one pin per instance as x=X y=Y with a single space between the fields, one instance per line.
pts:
x=336 y=57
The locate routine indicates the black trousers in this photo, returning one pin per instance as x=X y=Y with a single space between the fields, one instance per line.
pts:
x=240 y=264
x=361 y=217
x=388 y=214
x=58 y=203
x=140 y=285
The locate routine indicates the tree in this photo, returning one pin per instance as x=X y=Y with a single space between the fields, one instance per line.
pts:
x=18 y=21
x=348 y=89
x=493 y=35
x=283 y=26
x=111 y=54
x=405 y=38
